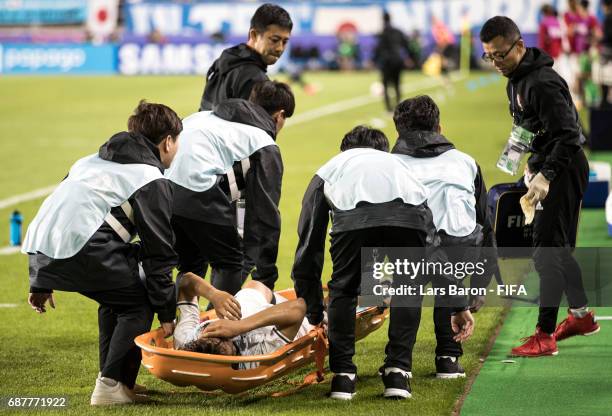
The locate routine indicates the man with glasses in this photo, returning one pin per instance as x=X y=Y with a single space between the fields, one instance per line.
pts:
x=546 y=121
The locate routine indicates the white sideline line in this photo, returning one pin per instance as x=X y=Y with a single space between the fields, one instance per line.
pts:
x=362 y=100
x=5 y=251
x=310 y=115
x=326 y=110
x=8 y=305
x=28 y=196
x=603 y=318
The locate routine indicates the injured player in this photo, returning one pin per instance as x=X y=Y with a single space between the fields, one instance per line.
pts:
x=257 y=321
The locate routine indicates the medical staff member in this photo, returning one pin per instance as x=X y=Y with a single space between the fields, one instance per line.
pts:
x=374 y=202
x=545 y=122
x=458 y=202
x=81 y=241
x=227 y=154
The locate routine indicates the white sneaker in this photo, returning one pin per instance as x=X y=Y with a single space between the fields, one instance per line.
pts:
x=105 y=394
x=138 y=388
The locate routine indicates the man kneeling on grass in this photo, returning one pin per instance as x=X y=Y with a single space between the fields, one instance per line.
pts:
x=258 y=320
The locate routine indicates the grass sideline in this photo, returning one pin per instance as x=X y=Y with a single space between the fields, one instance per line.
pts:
x=52 y=121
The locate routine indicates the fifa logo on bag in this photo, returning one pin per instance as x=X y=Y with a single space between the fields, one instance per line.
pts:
x=515 y=221
x=518 y=221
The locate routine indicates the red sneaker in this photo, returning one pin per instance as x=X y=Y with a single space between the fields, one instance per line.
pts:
x=572 y=326
x=537 y=345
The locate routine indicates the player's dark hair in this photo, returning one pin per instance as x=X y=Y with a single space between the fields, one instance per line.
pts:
x=364 y=136
x=499 y=26
x=155 y=122
x=417 y=113
x=273 y=96
x=213 y=345
x=270 y=14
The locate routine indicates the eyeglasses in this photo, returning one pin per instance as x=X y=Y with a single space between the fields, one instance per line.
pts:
x=498 y=57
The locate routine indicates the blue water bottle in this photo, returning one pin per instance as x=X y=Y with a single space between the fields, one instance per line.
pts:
x=16 y=221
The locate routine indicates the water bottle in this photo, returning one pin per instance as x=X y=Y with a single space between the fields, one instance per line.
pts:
x=15 y=227
x=519 y=144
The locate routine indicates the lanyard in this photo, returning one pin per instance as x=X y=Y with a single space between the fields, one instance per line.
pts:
x=512 y=101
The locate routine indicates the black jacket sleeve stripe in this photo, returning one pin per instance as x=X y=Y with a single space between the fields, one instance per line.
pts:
x=309 y=256
x=262 y=221
x=152 y=205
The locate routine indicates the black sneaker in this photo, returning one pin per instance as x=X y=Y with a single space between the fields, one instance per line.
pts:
x=449 y=367
x=382 y=369
x=397 y=384
x=342 y=387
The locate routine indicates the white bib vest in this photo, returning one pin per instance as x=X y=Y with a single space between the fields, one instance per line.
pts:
x=369 y=175
x=209 y=147
x=449 y=178
x=79 y=205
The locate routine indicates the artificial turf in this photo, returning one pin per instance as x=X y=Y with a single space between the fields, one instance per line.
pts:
x=575 y=382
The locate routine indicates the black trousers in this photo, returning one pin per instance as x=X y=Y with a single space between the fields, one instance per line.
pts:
x=200 y=243
x=123 y=314
x=552 y=229
x=404 y=323
x=391 y=79
x=457 y=249
x=445 y=344
x=344 y=289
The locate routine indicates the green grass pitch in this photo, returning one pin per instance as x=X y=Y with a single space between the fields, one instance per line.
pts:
x=49 y=122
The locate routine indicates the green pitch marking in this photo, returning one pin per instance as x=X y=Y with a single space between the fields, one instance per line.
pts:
x=575 y=382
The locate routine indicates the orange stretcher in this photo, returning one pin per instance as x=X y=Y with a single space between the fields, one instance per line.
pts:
x=210 y=372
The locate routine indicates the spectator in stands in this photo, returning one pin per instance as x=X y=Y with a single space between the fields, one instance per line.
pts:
x=550 y=34
x=606 y=49
x=348 y=51
x=581 y=29
x=446 y=44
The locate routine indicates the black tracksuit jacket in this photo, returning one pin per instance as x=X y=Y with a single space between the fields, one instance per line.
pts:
x=261 y=189
x=232 y=75
x=106 y=262
x=424 y=144
x=312 y=230
x=541 y=103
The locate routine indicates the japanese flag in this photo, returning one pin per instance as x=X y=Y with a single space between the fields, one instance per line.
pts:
x=102 y=17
